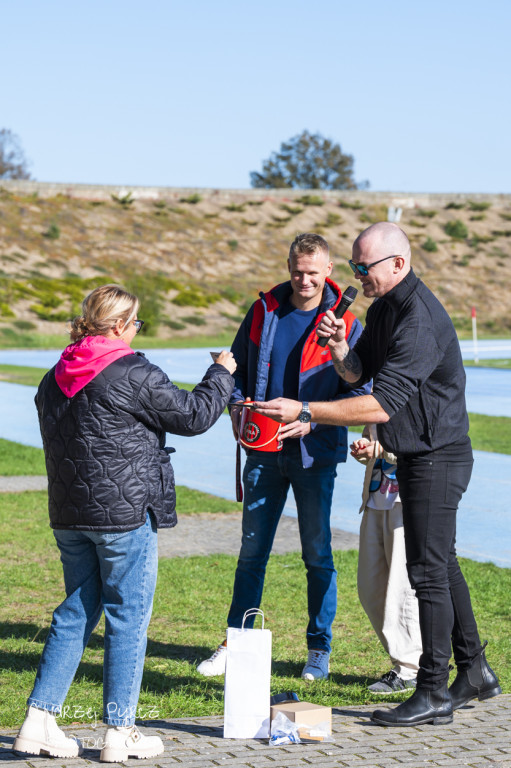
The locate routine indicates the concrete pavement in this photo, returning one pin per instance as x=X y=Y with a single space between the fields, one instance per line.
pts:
x=479 y=736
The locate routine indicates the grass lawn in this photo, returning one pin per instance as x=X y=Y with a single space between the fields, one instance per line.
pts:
x=16 y=339
x=10 y=339
x=490 y=433
x=190 y=608
x=31 y=377
x=504 y=363
x=22 y=374
x=17 y=459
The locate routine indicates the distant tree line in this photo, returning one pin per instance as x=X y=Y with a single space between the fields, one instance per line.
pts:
x=306 y=161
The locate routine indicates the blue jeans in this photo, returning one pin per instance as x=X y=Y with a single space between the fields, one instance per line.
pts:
x=266 y=478
x=110 y=572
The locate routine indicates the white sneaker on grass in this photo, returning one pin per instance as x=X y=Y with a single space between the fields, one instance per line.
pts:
x=317 y=666
x=124 y=742
x=215 y=665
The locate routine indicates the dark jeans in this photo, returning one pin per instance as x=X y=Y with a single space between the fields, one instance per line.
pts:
x=431 y=487
x=267 y=478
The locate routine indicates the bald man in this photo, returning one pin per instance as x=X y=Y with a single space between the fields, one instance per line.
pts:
x=410 y=349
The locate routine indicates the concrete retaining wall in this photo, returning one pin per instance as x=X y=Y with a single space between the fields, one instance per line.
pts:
x=367 y=197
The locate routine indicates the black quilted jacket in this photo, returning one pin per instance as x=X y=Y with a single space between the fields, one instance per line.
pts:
x=104 y=446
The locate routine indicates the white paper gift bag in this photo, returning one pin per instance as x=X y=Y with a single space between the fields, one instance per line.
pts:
x=247 y=681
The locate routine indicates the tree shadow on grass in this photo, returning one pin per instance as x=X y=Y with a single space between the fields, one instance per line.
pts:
x=154 y=681
x=191 y=653
x=294 y=669
x=349 y=679
x=35 y=633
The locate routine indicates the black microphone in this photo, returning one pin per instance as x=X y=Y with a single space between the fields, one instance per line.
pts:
x=348 y=297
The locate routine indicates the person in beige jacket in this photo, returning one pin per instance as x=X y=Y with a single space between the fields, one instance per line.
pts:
x=383 y=585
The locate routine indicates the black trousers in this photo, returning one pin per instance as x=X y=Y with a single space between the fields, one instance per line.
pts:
x=431 y=487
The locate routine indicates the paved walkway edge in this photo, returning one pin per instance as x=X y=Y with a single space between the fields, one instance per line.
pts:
x=480 y=735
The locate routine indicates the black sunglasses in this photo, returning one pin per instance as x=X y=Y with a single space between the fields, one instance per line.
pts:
x=363 y=269
x=138 y=325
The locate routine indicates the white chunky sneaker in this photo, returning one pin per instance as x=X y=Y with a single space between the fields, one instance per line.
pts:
x=215 y=665
x=40 y=735
x=122 y=743
x=317 y=666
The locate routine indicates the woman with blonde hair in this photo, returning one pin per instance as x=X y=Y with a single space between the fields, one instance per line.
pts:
x=103 y=412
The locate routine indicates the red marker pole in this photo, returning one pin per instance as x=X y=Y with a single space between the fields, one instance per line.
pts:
x=474 y=334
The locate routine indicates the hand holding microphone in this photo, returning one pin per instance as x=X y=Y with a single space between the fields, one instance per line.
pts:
x=347 y=299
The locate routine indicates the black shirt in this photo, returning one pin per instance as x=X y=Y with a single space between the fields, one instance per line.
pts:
x=410 y=349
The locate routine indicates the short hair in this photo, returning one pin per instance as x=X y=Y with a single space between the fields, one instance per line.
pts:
x=308 y=243
x=101 y=309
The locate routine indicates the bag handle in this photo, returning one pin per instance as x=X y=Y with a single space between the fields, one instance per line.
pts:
x=252 y=612
x=239 y=484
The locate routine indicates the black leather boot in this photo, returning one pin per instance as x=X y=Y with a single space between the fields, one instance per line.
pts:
x=479 y=681
x=422 y=707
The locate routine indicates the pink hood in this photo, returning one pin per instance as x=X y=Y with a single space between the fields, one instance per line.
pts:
x=82 y=361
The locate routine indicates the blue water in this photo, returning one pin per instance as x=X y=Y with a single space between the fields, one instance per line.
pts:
x=489 y=349
x=207 y=463
x=488 y=390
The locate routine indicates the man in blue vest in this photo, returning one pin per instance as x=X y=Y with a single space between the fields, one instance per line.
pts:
x=277 y=355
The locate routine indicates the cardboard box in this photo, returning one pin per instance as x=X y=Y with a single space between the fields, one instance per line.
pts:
x=306 y=716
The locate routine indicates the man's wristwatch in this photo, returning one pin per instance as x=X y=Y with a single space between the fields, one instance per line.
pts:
x=305 y=415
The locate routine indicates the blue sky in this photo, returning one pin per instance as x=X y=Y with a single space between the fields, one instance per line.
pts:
x=199 y=93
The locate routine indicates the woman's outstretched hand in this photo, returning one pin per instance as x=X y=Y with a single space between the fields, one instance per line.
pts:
x=226 y=359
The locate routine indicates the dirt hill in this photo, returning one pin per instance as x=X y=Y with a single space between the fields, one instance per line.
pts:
x=197 y=259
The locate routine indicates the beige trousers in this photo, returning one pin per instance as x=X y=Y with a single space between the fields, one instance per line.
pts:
x=384 y=588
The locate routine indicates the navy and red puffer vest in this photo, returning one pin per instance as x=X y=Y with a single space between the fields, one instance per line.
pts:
x=318 y=380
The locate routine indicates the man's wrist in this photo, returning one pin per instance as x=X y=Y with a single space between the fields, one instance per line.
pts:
x=339 y=349
x=305 y=415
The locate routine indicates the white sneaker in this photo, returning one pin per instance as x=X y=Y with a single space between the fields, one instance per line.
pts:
x=122 y=743
x=317 y=666
x=40 y=735
x=215 y=665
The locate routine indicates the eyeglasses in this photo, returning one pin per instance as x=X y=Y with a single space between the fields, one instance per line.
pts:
x=363 y=269
x=138 y=325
